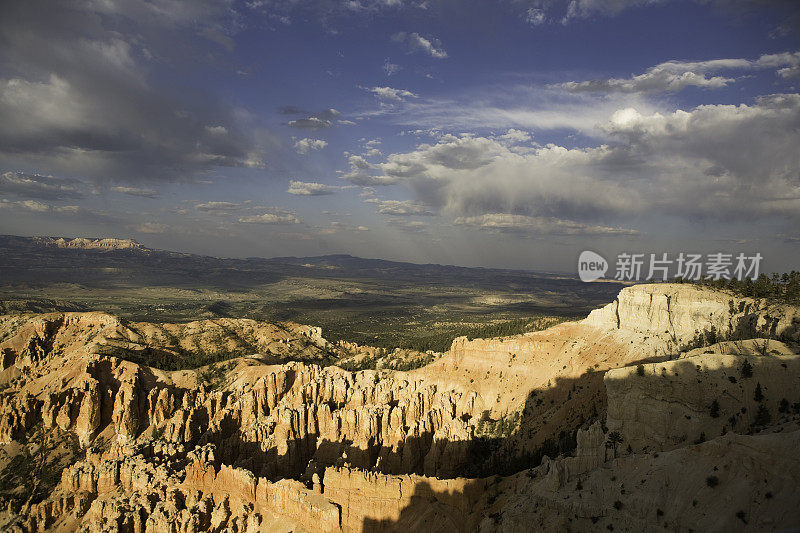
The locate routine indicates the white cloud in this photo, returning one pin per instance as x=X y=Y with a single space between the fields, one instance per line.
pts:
x=507 y=106
x=336 y=226
x=270 y=218
x=218 y=207
x=535 y=16
x=409 y=226
x=151 y=228
x=571 y=10
x=417 y=43
x=404 y=208
x=515 y=136
x=787 y=63
x=303 y=188
x=304 y=146
x=214 y=36
x=581 y=9
x=69 y=211
x=508 y=223
x=135 y=191
x=654 y=80
x=311 y=123
x=673 y=76
x=22 y=184
x=360 y=173
x=217 y=130
x=390 y=94
x=716 y=161
x=391 y=68
x=452 y=151
x=33 y=205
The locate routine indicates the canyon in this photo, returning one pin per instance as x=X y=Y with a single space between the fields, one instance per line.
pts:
x=674 y=407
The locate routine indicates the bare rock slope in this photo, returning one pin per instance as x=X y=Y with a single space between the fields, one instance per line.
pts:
x=672 y=407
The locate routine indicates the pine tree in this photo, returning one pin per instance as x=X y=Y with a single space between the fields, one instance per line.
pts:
x=747 y=369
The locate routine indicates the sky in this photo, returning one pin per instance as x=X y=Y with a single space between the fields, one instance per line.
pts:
x=505 y=133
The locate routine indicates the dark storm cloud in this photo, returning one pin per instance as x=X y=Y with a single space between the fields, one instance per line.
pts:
x=77 y=94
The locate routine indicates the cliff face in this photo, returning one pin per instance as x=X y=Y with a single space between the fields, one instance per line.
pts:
x=676 y=314
x=605 y=420
x=655 y=321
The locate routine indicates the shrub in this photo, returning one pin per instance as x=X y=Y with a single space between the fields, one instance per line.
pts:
x=640 y=370
x=712 y=481
x=617 y=505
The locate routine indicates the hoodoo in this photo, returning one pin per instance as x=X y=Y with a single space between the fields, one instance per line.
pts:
x=496 y=434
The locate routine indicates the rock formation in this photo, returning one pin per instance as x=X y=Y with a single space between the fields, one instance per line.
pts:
x=660 y=410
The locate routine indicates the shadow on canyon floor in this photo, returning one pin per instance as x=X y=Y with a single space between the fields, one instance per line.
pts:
x=748 y=410
x=433 y=511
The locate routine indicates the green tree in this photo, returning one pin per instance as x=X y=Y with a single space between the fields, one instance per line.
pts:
x=758 y=395
x=763 y=416
x=613 y=441
x=714 y=410
x=747 y=369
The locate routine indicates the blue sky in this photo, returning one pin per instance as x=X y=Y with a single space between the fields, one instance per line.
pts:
x=511 y=133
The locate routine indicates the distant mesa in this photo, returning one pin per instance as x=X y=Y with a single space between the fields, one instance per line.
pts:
x=90 y=244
